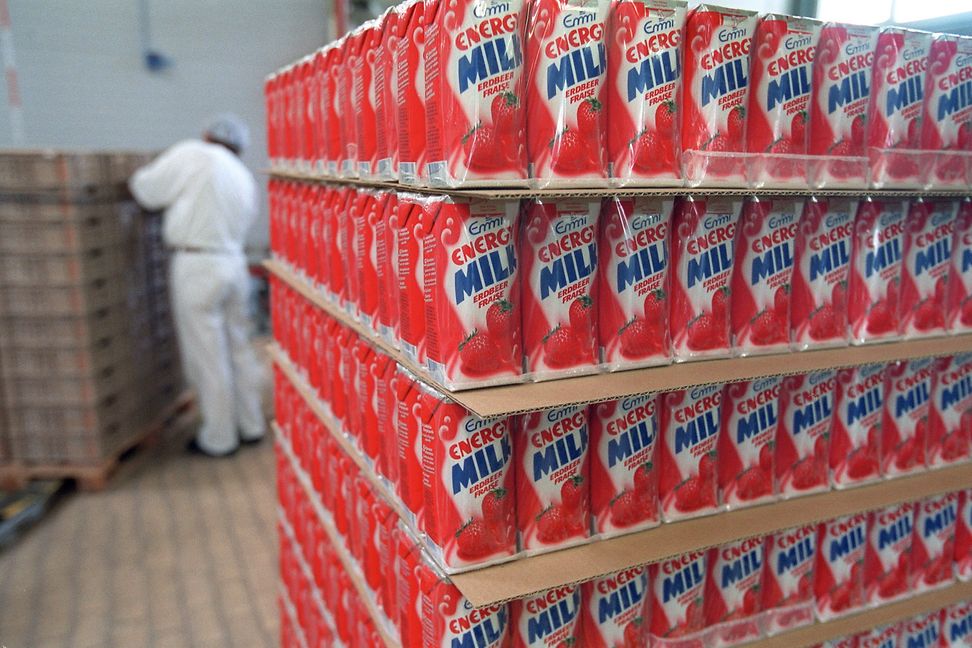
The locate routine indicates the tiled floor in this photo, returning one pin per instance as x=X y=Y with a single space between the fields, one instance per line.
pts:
x=178 y=552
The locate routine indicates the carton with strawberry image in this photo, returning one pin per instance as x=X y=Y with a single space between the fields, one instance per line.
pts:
x=703 y=244
x=474 y=87
x=928 y=238
x=747 y=437
x=365 y=91
x=566 y=96
x=386 y=266
x=558 y=252
x=633 y=277
x=552 y=478
x=549 y=619
x=762 y=271
x=715 y=94
x=963 y=536
x=885 y=636
x=448 y=618
x=840 y=94
x=950 y=411
x=645 y=65
x=956 y=630
x=677 y=601
x=414 y=219
x=687 y=456
x=472 y=293
x=732 y=591
x=855 y=439
x=887 y=561
x=904 y=428
x=410 y=62
x=921 y=631
x=787 y=585
x=802 y=458
x=839 y=570
x=958 y=298
x=624 y=473
x=933 y=546
x=386 y=96
x=946 y=120
x=875 y=277
x=779 y=101
x=616 y=609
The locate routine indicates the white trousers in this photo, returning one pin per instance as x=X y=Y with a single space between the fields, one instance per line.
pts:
x=210 y=297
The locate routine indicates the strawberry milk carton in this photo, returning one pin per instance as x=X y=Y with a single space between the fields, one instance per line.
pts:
x=331 y=108
x=761 y=275
x=351 y=49
x=715 y=94
x=410 y=561
x=933 y=547
x=904 y=429
x=386 y=266
x=950 y=412
x=802 y=458
x=885 y=636
x=645 y=61
x=787 y=586
x=365 y=92
x=449 y=619
x=894 y=113
x=872 y=303
x=732 y=591
x=472 y=293
x=386 y=97
x=677 y=601
x=958 y=310
x=624 y=469
x=963 y=536
x=779 y=101
x=703 y=245
x=747 y=436
x=855 y=439
x=474 y=87
x=946 y=122
x=839 y=580
x=366 y=218
x=887 y=561
x=928 y=238
x=839 y=98
x=558 y=251
x=553 y=478
x=566 y=120
x=547 y=620
x=410 y=399
x=410 y=62
x=956 y=630
x=690 y=421
x=414 y=218
x=633 y=293
x=921 y=631
x=616 y=609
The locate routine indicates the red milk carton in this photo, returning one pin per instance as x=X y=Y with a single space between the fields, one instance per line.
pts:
x=386 y=95
x=933 y=547
x=337 y=223
x=928 y=241
x=410 y=61
x=472 y=294
x=332 y=110
x=958 y=311
x=715 y=94
x=365 y=93
x=894 y=113
x=872 y=304
x=950 y=412
x=547 y=620
x=921 y=631
x=449 y=619
x=365 y=227
x=553 y=478
x=855 y=440
x=946 y=128
x=645 y=64
x=321 y=109
x=559 y=256
x=779 y=101
x=880 y=637
x=566 y=92
x=690 y=421
x=840 y=642
x=807 y=404
x=386 y=394
x=414 y=217
x=839 y=572
x=840 y=94
x=963 y=536
x=624 y=469
x=409 y=436
x=633 y=294
x=617 y=610
x=351 y=47
x=732 y=591
x=677 y=601
x=904 y=430
x=887 y=561
x=386 y=265
x=747 y=436
x=270 y=84
x=787 y=586
x=957 y=625
x=474 y=89
x=409 y=588
x=703 y=244
x=761 y=275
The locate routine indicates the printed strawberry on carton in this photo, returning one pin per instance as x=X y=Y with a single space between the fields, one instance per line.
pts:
x=921 y=631
x=963 y=537
x=839 y=570
x=956 y=628
x=747 y=437
x=414 y=221
x=549 y=619
x=958 y=298
x=904 y=428
x=644 y=91
x=566 y=95
x=449 y=619
x=887 y=561
x=634 y=283
x=715 y=94
x=733 y=598
x=950 y=411
x=678 y=588
x=855 y=439
x=787 y=585
x=411 y=110
x=933 y=547
x=928 y=238
x=802 y=458
x=687 y=456
x=946 y=128
x=624 y=466
x=617 y=610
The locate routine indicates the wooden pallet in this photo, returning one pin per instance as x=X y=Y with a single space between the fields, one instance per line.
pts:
x=94 y=476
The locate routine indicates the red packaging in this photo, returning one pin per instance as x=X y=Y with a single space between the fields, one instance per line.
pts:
x=839 y=571
x=332 y=109
x=386 y=95
x=875 y=277
x=894 y=113
x=840 y=642
x=472 y=293
x=761 y=275
x=787 y=586
x=386 y=265
x=907 y=392
x=270 y=84
x=958 y=311
x=617 y=610
x=887 y=561
x=335 y=219
x=365 y=92
x=386 y=394
x=933 y=547
x=312 y=113
x=321 y=132
x=928 y=236
x=803 y=436
x=732 y=591
x=351 y=45
x=409 y=589
x=474 y=91
x=552 y=478
x=566 y=92
x=409 y=437
x=450 y=620
x=921 y=631
x=373 y=433
x=677 y=601
x=963 y=536
x=950 y=412
x=747 y=435
x=957 y=625
x=880 y=637
x=855 y=440
x=410 y=60
x=687 y=457
x=624 y=473
x=946 y=128
x=413 y=225
x=366 y=215
x=644 y=61
x=559 y=256
x=351 y=223
x=633 y=278
x=715 y=94
x=547 y=620
x=703 y=244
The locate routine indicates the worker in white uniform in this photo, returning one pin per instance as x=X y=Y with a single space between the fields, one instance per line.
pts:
x=210 y=201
